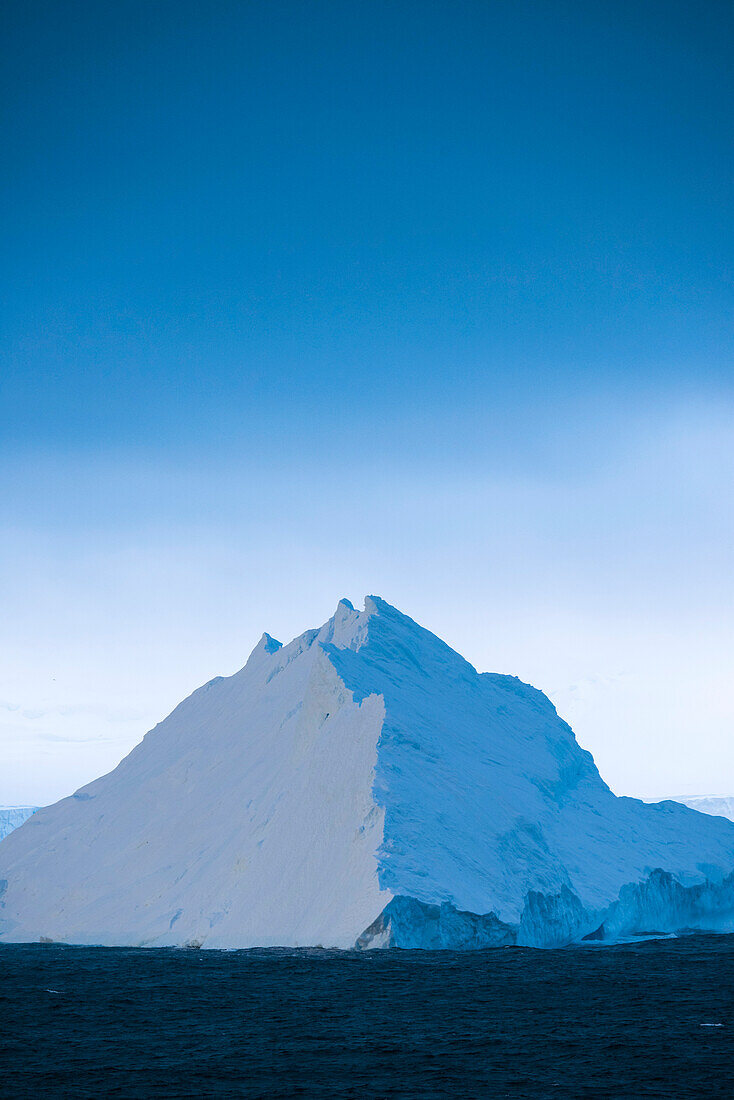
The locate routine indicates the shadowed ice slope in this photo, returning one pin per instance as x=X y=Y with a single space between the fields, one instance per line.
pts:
x=366 y=761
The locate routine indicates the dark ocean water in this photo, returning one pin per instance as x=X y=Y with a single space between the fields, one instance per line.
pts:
x=632 y=1021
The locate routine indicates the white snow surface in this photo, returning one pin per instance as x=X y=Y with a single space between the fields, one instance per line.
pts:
x=366 y=760
x=13 y=816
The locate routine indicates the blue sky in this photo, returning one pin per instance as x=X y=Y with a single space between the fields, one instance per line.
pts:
x=310 y=300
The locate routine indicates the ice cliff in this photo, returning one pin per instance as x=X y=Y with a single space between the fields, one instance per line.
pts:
x=361 y=786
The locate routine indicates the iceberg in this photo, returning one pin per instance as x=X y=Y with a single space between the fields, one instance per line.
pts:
x=363 y=786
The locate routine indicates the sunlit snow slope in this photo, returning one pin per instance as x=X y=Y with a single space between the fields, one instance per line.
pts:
x=363 y=784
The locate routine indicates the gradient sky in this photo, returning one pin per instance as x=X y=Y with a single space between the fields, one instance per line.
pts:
x=310 y=300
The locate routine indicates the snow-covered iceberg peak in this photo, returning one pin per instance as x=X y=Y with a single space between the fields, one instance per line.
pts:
x=362 y=785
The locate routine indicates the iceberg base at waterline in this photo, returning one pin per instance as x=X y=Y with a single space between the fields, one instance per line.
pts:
x=658 y=906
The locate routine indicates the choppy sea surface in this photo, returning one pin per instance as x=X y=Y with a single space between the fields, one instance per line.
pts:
x=652 y=1019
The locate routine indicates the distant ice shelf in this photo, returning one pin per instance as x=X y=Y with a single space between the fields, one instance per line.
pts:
x=362 y=786
x=717 y=805
x=13 y=816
